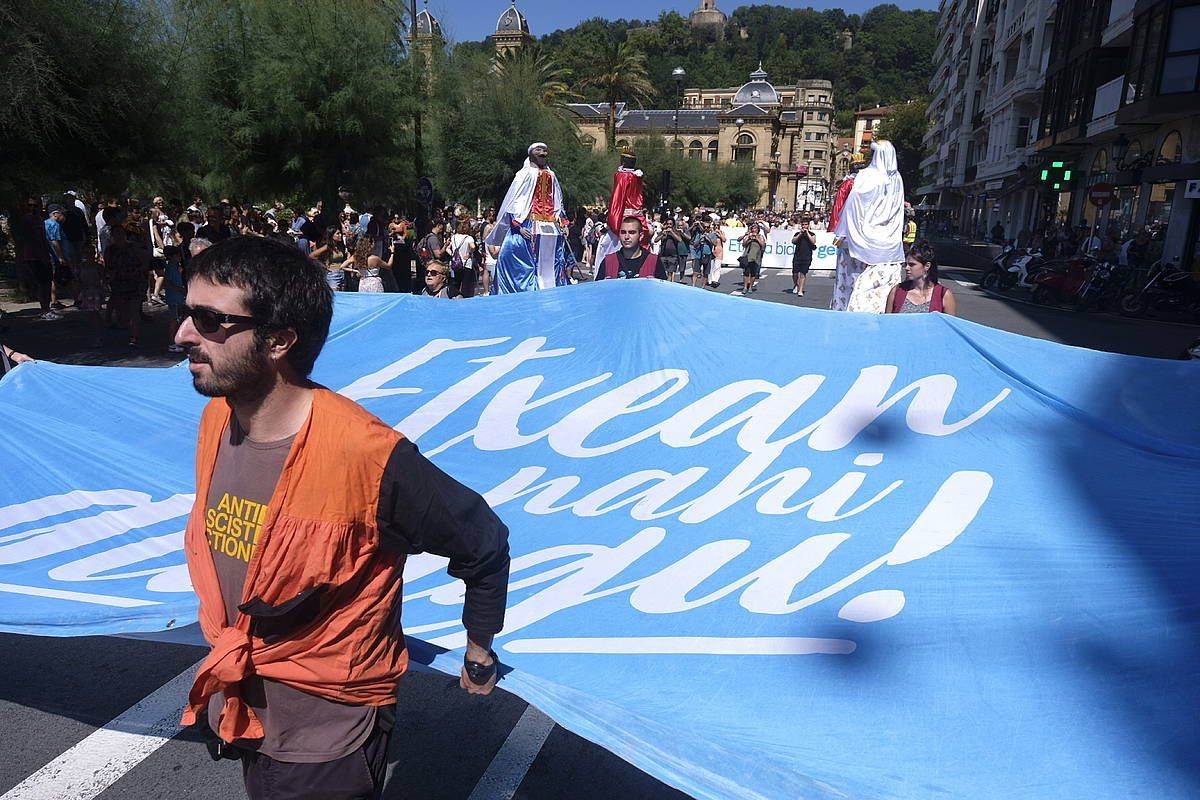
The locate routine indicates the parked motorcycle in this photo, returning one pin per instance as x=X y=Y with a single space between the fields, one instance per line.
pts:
x=998 y=278
x=1170 y=291
x=1011 y=267
x=1059 y=282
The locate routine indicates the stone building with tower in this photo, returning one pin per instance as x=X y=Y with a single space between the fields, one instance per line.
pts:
x=427 y=38
x=785 y=133
x=512 y=30
x=707 y=15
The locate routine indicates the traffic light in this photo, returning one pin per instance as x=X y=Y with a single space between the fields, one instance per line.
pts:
x=1056 y=175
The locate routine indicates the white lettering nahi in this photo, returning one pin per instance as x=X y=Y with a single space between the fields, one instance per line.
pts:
x=756 y=413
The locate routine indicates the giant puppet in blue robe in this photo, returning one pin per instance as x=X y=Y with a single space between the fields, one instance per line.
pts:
x=531 y=230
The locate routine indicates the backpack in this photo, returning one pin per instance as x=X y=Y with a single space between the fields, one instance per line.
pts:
x=456 y=260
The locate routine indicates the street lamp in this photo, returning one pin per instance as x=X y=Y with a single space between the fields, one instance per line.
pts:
x=775 y=179
x=677 y=75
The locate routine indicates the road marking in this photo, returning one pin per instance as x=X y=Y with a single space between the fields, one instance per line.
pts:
x=508 y=768
x=97 y=762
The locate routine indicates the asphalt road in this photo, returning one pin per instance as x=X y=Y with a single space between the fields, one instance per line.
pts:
x=59 y=697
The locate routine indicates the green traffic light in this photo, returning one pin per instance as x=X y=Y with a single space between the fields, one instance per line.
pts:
x=1045 y=174
x=1066 y=175
x=1058 y=186
x=1056 y=164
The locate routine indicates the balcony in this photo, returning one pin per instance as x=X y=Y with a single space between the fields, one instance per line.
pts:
x=822 y=105
x=1105 y=105
x=1012 y=28
x=1119 y=31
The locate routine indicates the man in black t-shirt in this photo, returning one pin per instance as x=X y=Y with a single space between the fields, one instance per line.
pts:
x=631 y=261
x=432 y=248
x=806 y=242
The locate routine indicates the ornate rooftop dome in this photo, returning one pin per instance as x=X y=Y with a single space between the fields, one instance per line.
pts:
x=757 y=90
x=512 y=20
x=427 y=24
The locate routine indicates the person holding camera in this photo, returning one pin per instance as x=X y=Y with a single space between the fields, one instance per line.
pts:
x=670 y=245
x=805 y=242
x=753 y=244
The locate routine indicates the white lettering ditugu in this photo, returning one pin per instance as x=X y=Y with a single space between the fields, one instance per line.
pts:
x=578 y=421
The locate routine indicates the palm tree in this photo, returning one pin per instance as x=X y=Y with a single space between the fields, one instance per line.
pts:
x=540 y=70
x=621 y=74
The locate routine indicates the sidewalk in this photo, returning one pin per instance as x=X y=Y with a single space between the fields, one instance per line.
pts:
x=71 y=340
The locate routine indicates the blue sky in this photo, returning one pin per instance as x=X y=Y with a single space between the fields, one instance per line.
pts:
x=467 y=20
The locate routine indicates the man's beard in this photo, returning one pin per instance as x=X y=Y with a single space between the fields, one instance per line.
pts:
x=244 y=377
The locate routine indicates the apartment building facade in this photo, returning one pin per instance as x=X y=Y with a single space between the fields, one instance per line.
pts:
x=1122 y=106
x=1110 y=88
x=979 y=170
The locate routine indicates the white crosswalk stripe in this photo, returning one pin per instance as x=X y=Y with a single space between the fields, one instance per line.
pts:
x=97 y=762
x=513 y=759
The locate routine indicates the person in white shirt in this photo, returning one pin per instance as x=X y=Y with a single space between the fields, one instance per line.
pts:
x=462 y=258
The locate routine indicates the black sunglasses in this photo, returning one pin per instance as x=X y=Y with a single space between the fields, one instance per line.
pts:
x=208 y=321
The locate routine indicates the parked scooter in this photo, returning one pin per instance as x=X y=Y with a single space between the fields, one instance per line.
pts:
x=1170 y=291
x=1011 y=267
x=998 y=278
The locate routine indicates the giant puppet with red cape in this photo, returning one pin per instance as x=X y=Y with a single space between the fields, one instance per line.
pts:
x=628 y=200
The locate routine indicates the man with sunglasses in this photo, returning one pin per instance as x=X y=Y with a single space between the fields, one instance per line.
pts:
x=306 y=506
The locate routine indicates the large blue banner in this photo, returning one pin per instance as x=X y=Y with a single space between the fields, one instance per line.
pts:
x=758 y=551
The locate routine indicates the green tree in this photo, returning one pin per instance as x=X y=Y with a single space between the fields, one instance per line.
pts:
x=905 y=129
x=82 y=84
x=538 y=71
x=693 y=182
x=482 y=127
x=286 y=104
x=619 y=73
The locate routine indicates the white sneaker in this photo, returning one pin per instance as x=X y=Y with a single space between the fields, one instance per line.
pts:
x=795 y=291
x=50 y=316
x=801 y=294
x=738 y=292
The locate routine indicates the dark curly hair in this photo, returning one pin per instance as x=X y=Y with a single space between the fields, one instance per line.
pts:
x=284 y=289
x=923 y=251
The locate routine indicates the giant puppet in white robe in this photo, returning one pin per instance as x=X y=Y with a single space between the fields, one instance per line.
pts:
x=530 y=231
x=871 y=234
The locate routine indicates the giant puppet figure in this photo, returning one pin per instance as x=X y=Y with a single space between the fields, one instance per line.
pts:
x=845 y=275
x=628 y=200
x=530 y=230
x=871 y=231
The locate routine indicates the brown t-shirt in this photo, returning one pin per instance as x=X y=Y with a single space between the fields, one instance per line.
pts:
x=299 y=727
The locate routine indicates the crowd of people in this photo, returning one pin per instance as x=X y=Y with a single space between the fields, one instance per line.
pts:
x=122 y=256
